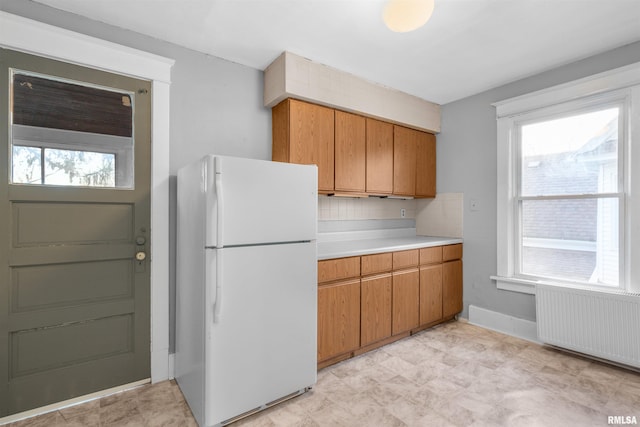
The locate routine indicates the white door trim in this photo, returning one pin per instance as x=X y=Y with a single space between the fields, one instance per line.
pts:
x=41 y=39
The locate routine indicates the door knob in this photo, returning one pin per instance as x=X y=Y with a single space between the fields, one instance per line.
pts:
x=140 y=256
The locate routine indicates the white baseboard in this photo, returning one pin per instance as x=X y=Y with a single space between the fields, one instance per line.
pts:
x=514 y=326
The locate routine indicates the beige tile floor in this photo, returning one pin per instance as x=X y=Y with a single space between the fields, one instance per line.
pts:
x=455 y=374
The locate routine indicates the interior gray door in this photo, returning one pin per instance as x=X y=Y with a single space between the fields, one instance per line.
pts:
x=75 y=153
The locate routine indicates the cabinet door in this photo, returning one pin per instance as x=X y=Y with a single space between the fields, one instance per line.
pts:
x=311 y=129
x=426 y=165
x=406 y=300
x=338 y=318
x=349 y=152
x=375 y=309
x=379 y=157
x=451 y=288
x=405 y=144
x=430 y=294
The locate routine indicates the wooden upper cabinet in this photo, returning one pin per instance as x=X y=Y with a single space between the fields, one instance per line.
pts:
x=354 y=154
x=350 y=149
x=379 y=157
x=303 y=133
x=426 y=165
x=405 y=145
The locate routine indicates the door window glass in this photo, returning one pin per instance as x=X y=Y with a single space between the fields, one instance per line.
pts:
x=71 y=134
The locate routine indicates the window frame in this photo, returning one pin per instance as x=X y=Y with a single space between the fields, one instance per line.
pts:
x=617 y=99
x=620 y=86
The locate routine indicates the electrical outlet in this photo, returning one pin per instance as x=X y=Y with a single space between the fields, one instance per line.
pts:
x=403 y=213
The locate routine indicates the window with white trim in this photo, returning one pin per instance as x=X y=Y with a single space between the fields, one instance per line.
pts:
x=568 y=195
x=565 y=167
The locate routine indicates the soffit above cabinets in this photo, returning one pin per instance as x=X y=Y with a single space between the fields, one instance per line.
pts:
x=292 y=76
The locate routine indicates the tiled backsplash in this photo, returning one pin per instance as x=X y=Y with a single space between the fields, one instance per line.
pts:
x=441 y=216
x=342 y=208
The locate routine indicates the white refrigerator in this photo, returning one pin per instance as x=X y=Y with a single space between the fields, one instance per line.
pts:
x=246 y=292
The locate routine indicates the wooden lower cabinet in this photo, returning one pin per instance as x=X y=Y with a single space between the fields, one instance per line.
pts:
x=375 y=309
x=430 y=294
x=368 y=301
x=451 y=288
x=338 y=318
x=406 y=300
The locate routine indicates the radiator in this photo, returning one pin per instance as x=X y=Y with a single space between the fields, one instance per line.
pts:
x=602 y=324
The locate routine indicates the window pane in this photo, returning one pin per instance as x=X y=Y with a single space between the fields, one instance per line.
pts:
x=27 y=167
x=571 y=155
x=67 y=167
x=571 y=239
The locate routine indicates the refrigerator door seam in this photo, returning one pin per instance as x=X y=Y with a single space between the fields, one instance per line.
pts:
x=293 y=242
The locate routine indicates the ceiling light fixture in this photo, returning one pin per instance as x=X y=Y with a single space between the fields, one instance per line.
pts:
x=403 y=16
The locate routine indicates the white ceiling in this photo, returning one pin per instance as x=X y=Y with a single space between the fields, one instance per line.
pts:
x=468 y=46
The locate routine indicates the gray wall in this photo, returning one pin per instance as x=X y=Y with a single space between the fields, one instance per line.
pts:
x=216 y=105
x=467 y=163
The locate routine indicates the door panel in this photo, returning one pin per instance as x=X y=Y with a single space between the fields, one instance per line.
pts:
x=75 y=316
x=63 y=223
x=36 y=287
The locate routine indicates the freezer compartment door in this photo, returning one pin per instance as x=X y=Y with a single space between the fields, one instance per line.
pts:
x=256 y=201
x=262 y=345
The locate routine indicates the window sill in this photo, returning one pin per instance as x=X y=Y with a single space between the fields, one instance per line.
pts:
x=515 y=285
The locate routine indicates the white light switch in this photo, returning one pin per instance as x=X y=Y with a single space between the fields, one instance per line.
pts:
x=474 y=205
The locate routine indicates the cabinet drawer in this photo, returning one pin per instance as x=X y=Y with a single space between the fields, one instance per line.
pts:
x=431 y=255
x=451 y=252
x=405 y=259
x=378 y=263
x=339 y=268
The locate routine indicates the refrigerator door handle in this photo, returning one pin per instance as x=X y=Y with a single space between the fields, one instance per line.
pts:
x=217 y=300
x=220 y=208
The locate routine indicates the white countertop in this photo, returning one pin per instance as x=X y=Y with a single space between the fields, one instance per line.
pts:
x=346 y=244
